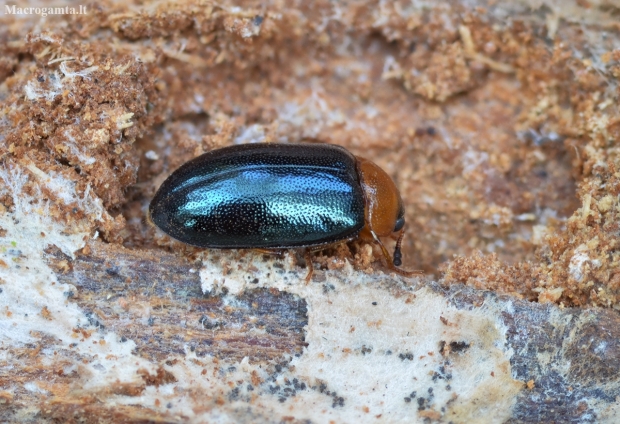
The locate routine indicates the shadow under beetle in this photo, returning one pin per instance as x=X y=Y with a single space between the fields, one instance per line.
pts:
x=278 y=196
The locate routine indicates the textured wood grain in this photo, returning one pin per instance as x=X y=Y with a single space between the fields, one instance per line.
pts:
x=569 y=355
x=154 y=298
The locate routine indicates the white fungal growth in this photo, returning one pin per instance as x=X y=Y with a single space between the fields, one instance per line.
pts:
x=375 y=356
x=34 y=90
x=72 y=74
x=577 y=266
x=91 y=204
x=75 y=150
x=14 y=180
x=64 y=190
x=29 y=286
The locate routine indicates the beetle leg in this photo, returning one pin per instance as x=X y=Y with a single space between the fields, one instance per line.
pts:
x=278 y=252
x=386 y=254
x=148 y=220
x=390 y=264
x=309 y=265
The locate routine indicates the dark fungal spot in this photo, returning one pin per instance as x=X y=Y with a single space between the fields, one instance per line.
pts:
x=406 y=356
x=328 y=287
x=234 y=394
x=209 y=323
x=338 y=401
x=112 y=271
x=92 y=320
x=452 y=347
x=459 y=346
x=421 y=403
x=258 y=20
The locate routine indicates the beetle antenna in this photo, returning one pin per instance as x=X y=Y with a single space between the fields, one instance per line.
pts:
x=393 y=264
x=398 y=256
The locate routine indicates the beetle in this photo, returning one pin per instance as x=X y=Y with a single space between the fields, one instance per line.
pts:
x=272 y=197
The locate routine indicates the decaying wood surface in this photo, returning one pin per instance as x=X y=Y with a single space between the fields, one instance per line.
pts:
x=155 y=299
x=570 y=355
x=497 y=120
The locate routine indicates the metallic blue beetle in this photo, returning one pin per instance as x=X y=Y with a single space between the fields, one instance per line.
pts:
x=279 y=196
